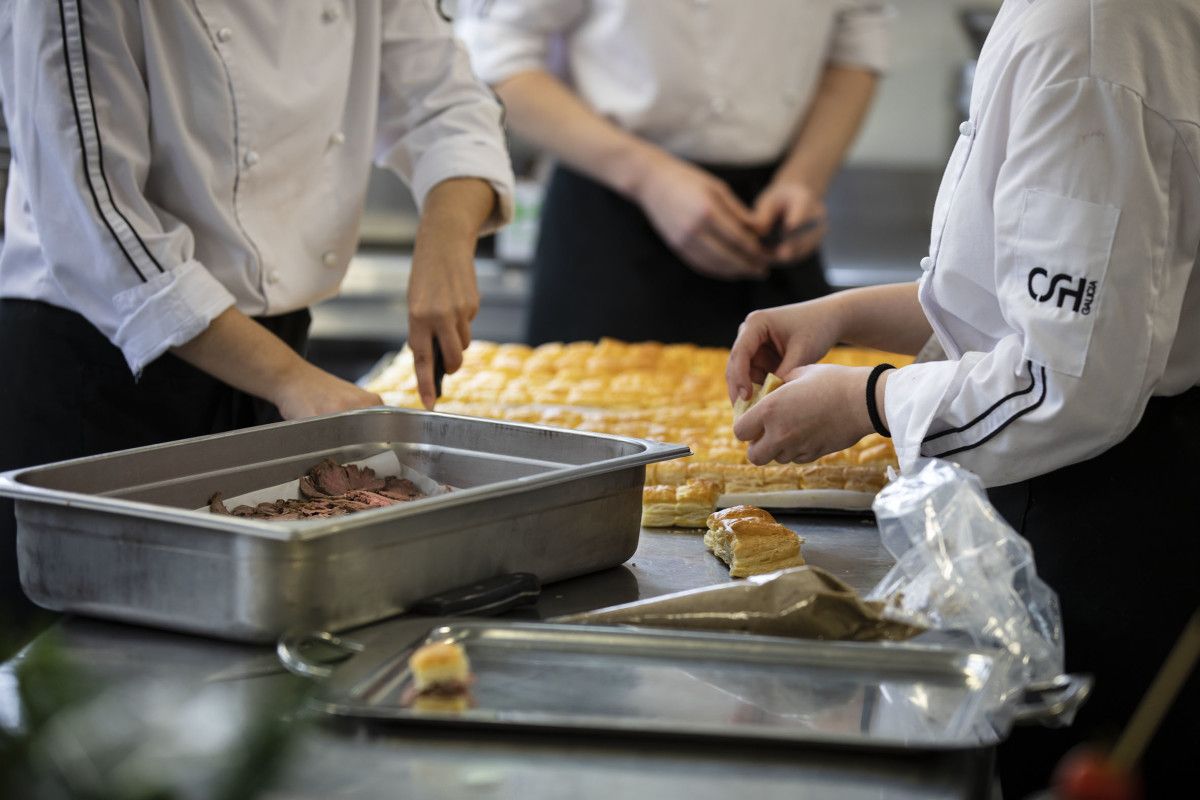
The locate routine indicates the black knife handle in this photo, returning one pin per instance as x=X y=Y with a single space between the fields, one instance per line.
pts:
x=484 y=598
x=439 y=368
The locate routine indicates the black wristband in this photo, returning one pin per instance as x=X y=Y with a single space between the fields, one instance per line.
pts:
x=872 y=407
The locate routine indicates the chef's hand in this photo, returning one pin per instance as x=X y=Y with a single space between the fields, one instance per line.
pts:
x=307 y=391
x=702 y=220
x=239 y=351
x=820 y=409
x=779 y=340
x=790 y=203
x=443 y=297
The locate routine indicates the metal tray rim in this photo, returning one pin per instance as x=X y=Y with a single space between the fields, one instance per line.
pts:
x=11 y=486
x=735 y=645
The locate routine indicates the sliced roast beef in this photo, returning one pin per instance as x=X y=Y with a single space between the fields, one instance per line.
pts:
x=400 y=489
x=309 y=489
x=330 y=477
x=363 y=478
x=370 y=499
x=329 y=489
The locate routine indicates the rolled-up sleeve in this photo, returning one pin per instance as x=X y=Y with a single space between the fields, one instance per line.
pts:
x=76 y=101
x=505 y=37
x=862 y=36
x=1086 y=277
x=437 y=121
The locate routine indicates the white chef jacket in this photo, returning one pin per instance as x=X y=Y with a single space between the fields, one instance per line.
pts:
x=172 y=159
x=1062 y=272
x=718 y=81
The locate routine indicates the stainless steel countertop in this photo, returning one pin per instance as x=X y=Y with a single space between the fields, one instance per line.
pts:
x=360 y=762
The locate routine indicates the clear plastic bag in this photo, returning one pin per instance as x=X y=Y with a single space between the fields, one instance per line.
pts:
x=963 y=572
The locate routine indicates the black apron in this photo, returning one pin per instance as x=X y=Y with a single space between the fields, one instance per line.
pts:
x=1118 y=538
x=601 y=269
x=69 y=393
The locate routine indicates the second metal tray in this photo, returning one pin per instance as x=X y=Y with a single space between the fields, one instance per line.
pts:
x=629 y=680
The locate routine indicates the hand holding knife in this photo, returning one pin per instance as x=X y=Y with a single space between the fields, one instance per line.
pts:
x=439 y=370
x=778 y=236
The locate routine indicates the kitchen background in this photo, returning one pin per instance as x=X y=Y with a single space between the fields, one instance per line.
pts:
x=879 y=206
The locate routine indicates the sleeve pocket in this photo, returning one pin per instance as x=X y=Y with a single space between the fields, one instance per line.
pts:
x=1054 y=288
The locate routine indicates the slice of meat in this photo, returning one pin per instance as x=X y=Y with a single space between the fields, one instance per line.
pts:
x=400 y=489
x=309 y=489
x=330 y=477
x=216 y=505
x=363 y=478
x=371 y=499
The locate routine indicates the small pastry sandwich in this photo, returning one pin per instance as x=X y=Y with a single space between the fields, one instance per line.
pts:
x=441 y=678
x=751 y=542
x=686 y=506
x=770 y=384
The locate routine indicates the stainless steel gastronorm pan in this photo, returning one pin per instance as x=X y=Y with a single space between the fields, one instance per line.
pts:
x=115 y=535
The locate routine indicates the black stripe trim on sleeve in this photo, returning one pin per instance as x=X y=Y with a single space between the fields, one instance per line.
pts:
x=87 y=74
x=985 y=414
x=1006 y=423
x=87 y=172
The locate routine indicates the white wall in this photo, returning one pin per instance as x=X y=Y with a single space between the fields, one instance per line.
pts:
x=914 y=117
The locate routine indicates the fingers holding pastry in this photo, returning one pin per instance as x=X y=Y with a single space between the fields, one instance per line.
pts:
x=779 y=340
x=820 y=410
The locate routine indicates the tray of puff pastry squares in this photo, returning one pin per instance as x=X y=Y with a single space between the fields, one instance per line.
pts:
x=647 y=390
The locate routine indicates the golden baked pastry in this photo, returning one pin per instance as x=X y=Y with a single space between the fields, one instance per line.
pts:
x=769 y=384
x=686 y=506
x=725 y=516
x=658 y=506
x=751 y=542
x=741 y=479
x=441 y=678
x=669 y=393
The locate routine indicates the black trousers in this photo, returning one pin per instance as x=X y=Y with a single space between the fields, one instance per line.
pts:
x=601 y=269
x=1118 y=537
x=68 y=393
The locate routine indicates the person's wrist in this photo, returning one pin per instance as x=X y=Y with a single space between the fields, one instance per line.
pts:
x=637 y=169
x=282 y=381
x=852 y=399
x=456 y=209
x=881 y=397
x=797 y=175
x=835 y=315
x=873 y=398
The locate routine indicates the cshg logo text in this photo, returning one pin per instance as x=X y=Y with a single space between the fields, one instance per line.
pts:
x=1077 y=293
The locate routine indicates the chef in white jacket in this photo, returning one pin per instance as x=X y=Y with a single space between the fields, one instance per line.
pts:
x=1062 y=282
x=188 y=179
x=684 y=133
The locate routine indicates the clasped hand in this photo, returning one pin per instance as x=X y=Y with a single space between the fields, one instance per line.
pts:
x=705 y=223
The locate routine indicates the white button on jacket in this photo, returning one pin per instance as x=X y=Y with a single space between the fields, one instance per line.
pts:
x=1062 y=277
x=159 y=179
